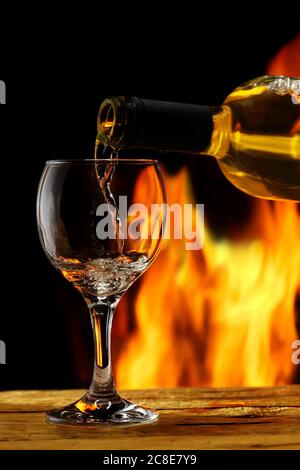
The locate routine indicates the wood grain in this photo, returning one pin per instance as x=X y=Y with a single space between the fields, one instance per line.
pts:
x=190 y=418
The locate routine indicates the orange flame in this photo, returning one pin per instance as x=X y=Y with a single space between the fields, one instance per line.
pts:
x=224 y=315
x=221 y=316
x=287 y=62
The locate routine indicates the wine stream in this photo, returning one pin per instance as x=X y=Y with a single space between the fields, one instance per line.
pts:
x=105 y=174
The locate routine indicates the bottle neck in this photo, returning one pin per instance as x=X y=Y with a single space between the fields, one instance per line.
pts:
x=129 y=122
x=222 y=128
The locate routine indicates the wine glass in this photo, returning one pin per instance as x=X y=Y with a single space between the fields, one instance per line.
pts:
x=101 y=248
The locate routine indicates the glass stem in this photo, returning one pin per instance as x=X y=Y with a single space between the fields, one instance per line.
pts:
x=102 y=386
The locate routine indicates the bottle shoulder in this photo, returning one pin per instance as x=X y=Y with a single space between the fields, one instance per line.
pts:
x=280 y=85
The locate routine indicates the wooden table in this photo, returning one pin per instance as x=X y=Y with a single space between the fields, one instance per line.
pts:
x=198 y=418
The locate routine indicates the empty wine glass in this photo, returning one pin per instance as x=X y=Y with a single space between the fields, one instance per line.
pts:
x=98 y=229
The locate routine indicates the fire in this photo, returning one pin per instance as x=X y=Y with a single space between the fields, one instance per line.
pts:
x=224 y=315
x=287 y=62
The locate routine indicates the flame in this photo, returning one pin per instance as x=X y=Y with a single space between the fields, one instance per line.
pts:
x=287 y=62
x=224 y=315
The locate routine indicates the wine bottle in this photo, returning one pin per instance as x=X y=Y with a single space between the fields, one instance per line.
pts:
x=254 y=135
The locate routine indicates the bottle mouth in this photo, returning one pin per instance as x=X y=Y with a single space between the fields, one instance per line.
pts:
x=106 y=117
x=111 y=120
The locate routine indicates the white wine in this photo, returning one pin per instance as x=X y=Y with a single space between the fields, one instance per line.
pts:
x=254 y=135
x=104 y=276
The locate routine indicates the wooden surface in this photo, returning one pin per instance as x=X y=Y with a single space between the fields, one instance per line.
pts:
x=233 y=418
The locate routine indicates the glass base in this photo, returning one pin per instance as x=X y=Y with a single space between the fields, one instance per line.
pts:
x=102 y=412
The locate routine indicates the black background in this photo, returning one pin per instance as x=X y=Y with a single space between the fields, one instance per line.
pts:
x=56 y=74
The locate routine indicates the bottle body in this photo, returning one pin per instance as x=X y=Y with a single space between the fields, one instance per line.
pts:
x=257 y=138
x=254 y=135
